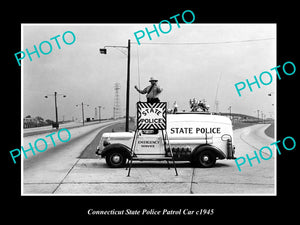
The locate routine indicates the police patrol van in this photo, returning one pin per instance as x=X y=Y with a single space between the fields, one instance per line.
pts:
x=198 y=137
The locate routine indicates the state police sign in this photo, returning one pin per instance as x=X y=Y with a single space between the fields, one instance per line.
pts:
x=151 y=116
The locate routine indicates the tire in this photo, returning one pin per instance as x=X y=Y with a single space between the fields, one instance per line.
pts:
x=205 y=158
x=116 y=159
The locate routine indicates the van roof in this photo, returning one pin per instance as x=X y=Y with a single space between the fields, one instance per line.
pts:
x=197 y=117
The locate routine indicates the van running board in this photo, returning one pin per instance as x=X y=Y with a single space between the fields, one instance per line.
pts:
x=153 y=159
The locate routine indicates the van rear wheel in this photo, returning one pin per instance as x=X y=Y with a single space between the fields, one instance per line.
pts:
x=115 y=159
x=204 y=158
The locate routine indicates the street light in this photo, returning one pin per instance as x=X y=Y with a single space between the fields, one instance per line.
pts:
x=100 y=112
x=56 y=125
x=82 y=112
x=262 y=116
x=270 y=94
x=104 y=51
x=230 y=112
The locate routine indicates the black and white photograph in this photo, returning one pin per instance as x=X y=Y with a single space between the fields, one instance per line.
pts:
x=84 y=134
x=149 y=112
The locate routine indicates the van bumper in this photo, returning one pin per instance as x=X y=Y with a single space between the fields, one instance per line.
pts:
x=99 y=151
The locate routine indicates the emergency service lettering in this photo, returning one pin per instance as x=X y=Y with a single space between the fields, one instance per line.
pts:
x=148 y=142
x=195 y=130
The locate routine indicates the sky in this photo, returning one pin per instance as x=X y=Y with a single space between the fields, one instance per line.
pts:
x=195 y=69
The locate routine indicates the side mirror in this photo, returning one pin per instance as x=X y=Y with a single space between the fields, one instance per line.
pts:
x=225 y=137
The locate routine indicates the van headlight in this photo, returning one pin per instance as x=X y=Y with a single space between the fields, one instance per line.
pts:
x=105 y=142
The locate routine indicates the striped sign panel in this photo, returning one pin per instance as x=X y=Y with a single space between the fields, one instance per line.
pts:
x=151 y=116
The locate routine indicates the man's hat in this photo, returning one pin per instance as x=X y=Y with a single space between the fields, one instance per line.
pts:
x=152 y=79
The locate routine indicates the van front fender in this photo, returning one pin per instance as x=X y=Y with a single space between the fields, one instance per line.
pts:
x=119 y=147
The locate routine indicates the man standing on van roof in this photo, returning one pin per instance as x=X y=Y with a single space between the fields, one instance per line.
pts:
x=152 y=91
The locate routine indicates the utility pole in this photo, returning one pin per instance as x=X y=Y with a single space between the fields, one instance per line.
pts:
x=104 y=51
x=117 y=106
x=56 y=115
x=82 y=112
x=56 y=125
x=95 y=118
x=128 y=88
x=99 y=113
x=216 y=99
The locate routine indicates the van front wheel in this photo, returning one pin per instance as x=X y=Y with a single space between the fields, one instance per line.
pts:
x=204 y=158
x=115 y=159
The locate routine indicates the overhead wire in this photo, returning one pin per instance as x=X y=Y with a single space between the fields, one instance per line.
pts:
x=204 y=43
x=192 y=43
x=138 y=67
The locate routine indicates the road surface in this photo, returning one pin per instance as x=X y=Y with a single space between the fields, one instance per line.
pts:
x=49 y=129
x=60 y=171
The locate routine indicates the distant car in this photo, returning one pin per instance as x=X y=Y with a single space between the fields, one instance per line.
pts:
x=201 y=138
x=55 y=125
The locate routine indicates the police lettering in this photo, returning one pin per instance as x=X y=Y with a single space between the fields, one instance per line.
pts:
x=198 y=130
x=151 y=110
x=184 y=130
x=160 y=120
x=215 y=130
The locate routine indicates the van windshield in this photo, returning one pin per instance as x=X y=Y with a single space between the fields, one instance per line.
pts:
x=150 y=131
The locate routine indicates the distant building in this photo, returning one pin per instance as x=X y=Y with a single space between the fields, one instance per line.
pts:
x=30 y=122
x=37 y=121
